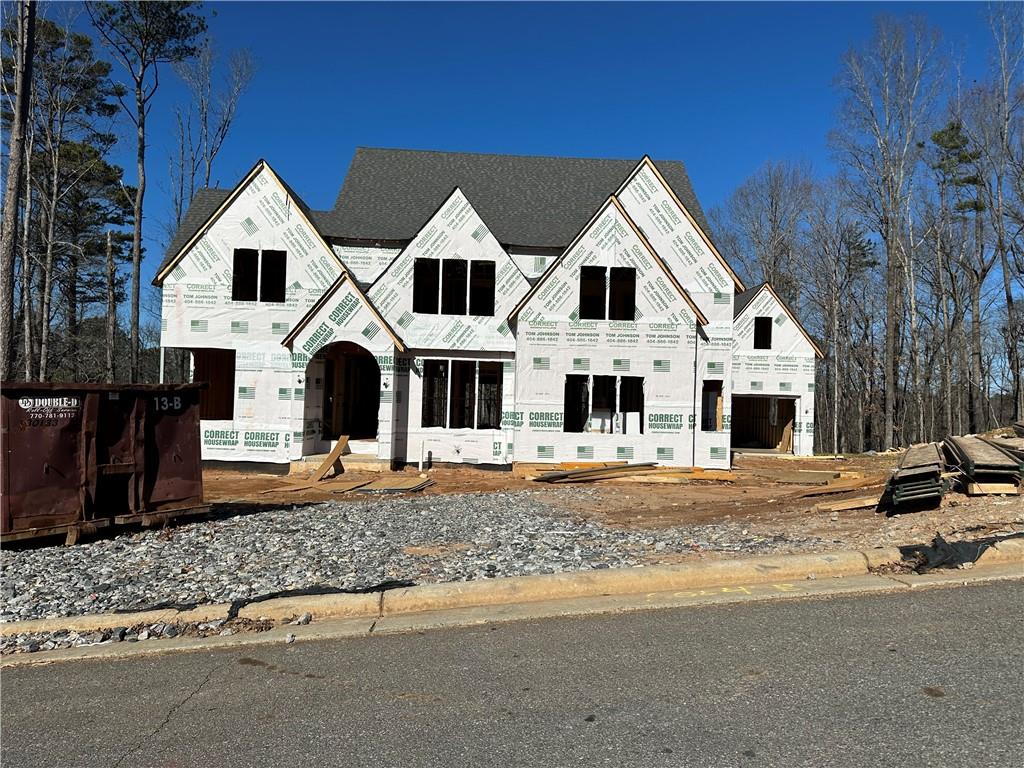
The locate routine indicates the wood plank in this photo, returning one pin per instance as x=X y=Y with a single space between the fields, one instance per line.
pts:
x=343 y=487
x=861 y=502
x=809 y=477
x=842 y=486
x=992 y=489
x=396 y=484
x=333 y=457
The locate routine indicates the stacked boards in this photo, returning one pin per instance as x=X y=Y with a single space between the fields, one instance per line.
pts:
x=986 y=467
x=918 y=478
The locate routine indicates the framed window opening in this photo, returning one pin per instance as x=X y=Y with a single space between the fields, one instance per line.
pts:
x=604 y=404
x=217 y=367
x=711 y=417
x=257 y=275
x=762 y=333
x=453 y=287
x=462 y=394
x=607 y=293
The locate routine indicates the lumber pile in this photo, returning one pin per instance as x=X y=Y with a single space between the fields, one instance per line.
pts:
x=1018 y=428
x=918 y=477
x=986 y=467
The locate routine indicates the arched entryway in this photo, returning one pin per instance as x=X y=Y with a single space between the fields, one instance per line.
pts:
x=343 y=395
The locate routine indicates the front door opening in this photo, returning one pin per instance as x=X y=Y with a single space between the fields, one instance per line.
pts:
x=351 y=393
x=763 y=422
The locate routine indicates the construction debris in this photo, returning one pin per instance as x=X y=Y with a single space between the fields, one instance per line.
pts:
x=397 y=485
x=596 y=473
x=918 y=478
x=799 y=477
x=861 y=502
x=983 y=464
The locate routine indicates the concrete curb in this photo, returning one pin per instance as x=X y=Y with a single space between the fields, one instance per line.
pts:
x=501 y=591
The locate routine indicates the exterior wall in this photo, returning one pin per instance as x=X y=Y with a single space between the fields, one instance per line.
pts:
x=530 y=264
x=465 y=446
x=366 y=263
x=659 y=345
x=785 y=370
x=674 y=237
x=197 y=312
x=455 y=231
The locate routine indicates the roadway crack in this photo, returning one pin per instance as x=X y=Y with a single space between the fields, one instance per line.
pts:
x=167 y=718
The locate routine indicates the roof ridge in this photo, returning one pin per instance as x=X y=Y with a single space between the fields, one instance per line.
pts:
x=360 y=148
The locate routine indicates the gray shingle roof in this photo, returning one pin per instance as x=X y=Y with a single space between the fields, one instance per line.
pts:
x=388 y=194
x=740 y=300
x=205 y=202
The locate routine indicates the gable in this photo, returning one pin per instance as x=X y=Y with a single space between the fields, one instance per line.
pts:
x=610 y=239
x=454 y=232
x=342 y=314
x=675 y=234
x=788 y=336
x=260 y=215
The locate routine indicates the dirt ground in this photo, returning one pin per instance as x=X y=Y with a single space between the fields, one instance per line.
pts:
x=768 y=508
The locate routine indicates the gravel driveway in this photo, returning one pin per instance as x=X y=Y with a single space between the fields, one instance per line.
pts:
x=346 y=544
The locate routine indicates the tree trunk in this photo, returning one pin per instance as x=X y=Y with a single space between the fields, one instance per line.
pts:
x=889 y=363
x=27 y=266
x=977 y=406
x=15 y=170
x=72 y=315
x=44 y=314
x=111 y=310
x=140 y=195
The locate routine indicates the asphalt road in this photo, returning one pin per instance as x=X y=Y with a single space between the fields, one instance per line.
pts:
x=928 y=678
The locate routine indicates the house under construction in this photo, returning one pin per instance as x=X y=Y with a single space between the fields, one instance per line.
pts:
x=480 y=309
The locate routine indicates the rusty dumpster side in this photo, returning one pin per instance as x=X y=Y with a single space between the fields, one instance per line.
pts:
x=80 y=456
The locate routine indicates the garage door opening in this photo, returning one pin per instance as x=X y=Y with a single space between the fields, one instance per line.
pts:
x=763 y=422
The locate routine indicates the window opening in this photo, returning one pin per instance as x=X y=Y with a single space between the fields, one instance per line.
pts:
x=463 y=394
x=426 y=283
x=622 y=294
x=481 y=288
x=488 y=415
x=435 y=392
x=762 y=333
x=577 y=403
x=454 y=275
x=631 y=404
x=244 y=274
x=711 y=406
x=592 y=293
x=603 y=408
x=272 y=276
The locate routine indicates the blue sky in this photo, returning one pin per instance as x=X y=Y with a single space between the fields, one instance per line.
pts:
x=723 y=87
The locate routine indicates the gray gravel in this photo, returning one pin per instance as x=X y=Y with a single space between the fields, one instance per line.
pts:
x=346 y=544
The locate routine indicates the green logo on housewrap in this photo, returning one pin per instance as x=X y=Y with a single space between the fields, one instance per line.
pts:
x=320 y=337
x=665 y=422
x=345 y=309
x=545 y=420
x=265 y=440
x=511 y=419
x=220 y=438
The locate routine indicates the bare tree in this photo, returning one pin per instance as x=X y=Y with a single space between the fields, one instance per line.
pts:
x=143 y=35
x=763 y=221
x=889 y=88
x=15 y=178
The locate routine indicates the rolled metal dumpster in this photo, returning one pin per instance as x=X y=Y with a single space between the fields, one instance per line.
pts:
x=77 y=457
